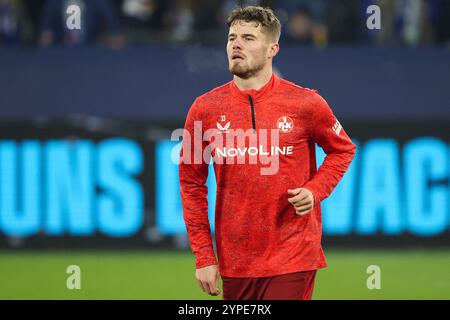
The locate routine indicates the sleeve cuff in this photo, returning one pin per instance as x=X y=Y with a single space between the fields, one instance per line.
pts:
x=314 y=191
x=204 y=263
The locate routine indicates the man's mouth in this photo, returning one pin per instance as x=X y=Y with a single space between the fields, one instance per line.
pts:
x=237 y=57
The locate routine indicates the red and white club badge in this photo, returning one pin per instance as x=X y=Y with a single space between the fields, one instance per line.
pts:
x=285 y=124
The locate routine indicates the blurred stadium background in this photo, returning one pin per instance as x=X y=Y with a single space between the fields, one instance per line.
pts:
x=86 y=118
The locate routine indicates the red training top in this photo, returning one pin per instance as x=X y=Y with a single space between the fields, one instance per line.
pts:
x=257 y=232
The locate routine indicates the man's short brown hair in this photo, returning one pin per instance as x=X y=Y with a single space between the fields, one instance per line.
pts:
x=262 y=16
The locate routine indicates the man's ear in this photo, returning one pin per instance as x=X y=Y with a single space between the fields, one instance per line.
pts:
x=273 y=51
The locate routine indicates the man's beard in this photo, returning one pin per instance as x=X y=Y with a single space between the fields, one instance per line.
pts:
x=244 y=71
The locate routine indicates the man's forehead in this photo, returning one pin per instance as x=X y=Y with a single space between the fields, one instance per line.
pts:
x=241 y=26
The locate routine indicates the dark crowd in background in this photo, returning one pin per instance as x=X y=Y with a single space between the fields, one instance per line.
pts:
x=318 y=23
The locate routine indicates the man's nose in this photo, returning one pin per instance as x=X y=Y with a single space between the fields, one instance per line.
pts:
x=236 y=44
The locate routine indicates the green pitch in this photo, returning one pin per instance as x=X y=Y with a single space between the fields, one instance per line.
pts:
x=405 y=274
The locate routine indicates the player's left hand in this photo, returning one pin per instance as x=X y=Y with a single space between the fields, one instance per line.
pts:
x=302 y=200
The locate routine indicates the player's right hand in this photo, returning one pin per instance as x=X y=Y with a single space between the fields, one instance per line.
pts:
x=208 y=279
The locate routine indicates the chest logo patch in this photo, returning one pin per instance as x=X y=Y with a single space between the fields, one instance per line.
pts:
x=221 y=126
x=285 y=124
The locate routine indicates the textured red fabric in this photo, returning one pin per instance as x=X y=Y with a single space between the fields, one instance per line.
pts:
x=257 y=232
x=291 y=286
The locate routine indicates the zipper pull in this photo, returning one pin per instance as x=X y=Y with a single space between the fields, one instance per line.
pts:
x=253 y=113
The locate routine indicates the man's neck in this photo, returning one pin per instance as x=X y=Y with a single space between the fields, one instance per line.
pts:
x=256 y=82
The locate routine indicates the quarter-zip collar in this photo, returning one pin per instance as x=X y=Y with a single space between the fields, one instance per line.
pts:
x=257 y=95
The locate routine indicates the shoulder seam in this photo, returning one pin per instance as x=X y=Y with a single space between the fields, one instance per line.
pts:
x=292 y=84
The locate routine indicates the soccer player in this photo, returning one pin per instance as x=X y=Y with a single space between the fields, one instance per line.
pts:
x=268 y=223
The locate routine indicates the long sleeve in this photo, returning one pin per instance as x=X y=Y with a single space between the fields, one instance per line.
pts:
x=327 y=132
x=193 y=173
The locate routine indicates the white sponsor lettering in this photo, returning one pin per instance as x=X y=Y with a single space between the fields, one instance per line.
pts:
x=253 y=151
